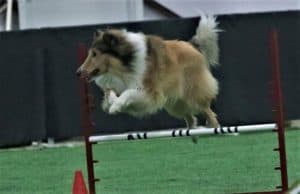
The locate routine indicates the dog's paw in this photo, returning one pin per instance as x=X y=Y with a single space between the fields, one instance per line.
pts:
x=105 y=105
x=111 y=96
x=213 y=123
x=115 y=108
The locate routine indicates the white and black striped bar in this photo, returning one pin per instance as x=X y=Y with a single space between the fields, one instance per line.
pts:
x=182 y=132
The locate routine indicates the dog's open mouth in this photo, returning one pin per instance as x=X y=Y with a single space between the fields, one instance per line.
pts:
x=92 y=75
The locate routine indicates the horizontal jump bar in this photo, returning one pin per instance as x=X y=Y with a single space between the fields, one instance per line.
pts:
x=182 y=132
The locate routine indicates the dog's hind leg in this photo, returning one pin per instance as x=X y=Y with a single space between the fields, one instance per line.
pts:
x=211 y=118
x=191 y=123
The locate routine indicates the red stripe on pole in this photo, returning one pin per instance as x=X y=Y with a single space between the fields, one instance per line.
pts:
x=85 y=119
x=278 y=105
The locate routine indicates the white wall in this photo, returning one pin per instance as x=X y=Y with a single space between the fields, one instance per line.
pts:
x=189 y=8
x=52 y=13
x=151 y=13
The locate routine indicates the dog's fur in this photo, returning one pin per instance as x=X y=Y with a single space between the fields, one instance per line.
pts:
x=141 y=74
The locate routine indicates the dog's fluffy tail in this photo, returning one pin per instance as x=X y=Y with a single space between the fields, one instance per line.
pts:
x=206 y=39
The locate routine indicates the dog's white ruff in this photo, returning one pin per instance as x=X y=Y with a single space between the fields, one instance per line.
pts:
x=139 y=60
x=128 y=86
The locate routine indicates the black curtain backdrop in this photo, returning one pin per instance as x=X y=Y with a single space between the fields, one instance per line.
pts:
x=40 y=95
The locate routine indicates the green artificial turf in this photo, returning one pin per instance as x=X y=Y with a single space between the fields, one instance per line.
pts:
x=215 y=165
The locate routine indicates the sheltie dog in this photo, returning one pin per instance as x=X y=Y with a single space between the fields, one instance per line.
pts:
x=141 y=74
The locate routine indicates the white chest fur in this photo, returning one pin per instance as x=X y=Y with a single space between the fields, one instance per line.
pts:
x=110 y=81
x=134 y=79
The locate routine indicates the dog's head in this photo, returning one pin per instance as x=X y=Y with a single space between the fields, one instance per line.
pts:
x=110 y=52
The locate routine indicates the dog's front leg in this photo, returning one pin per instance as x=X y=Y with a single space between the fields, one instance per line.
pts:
x=132 y=101
x=108 y=99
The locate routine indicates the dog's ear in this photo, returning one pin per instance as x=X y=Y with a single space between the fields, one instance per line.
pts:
x=97 y=34
x=110 y=39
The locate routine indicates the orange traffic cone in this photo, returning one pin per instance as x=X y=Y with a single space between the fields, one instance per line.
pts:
x=79 y=184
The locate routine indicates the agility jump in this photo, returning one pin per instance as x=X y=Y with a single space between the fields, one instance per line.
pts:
x=200 y=131
x=88 y=125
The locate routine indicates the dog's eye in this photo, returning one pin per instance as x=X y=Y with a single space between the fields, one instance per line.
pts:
x=94 y=54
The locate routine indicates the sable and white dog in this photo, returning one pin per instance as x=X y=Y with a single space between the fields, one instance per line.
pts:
x=141 y=74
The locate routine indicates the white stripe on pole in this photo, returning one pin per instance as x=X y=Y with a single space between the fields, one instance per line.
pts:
x=182 y=132
x=9 y=15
